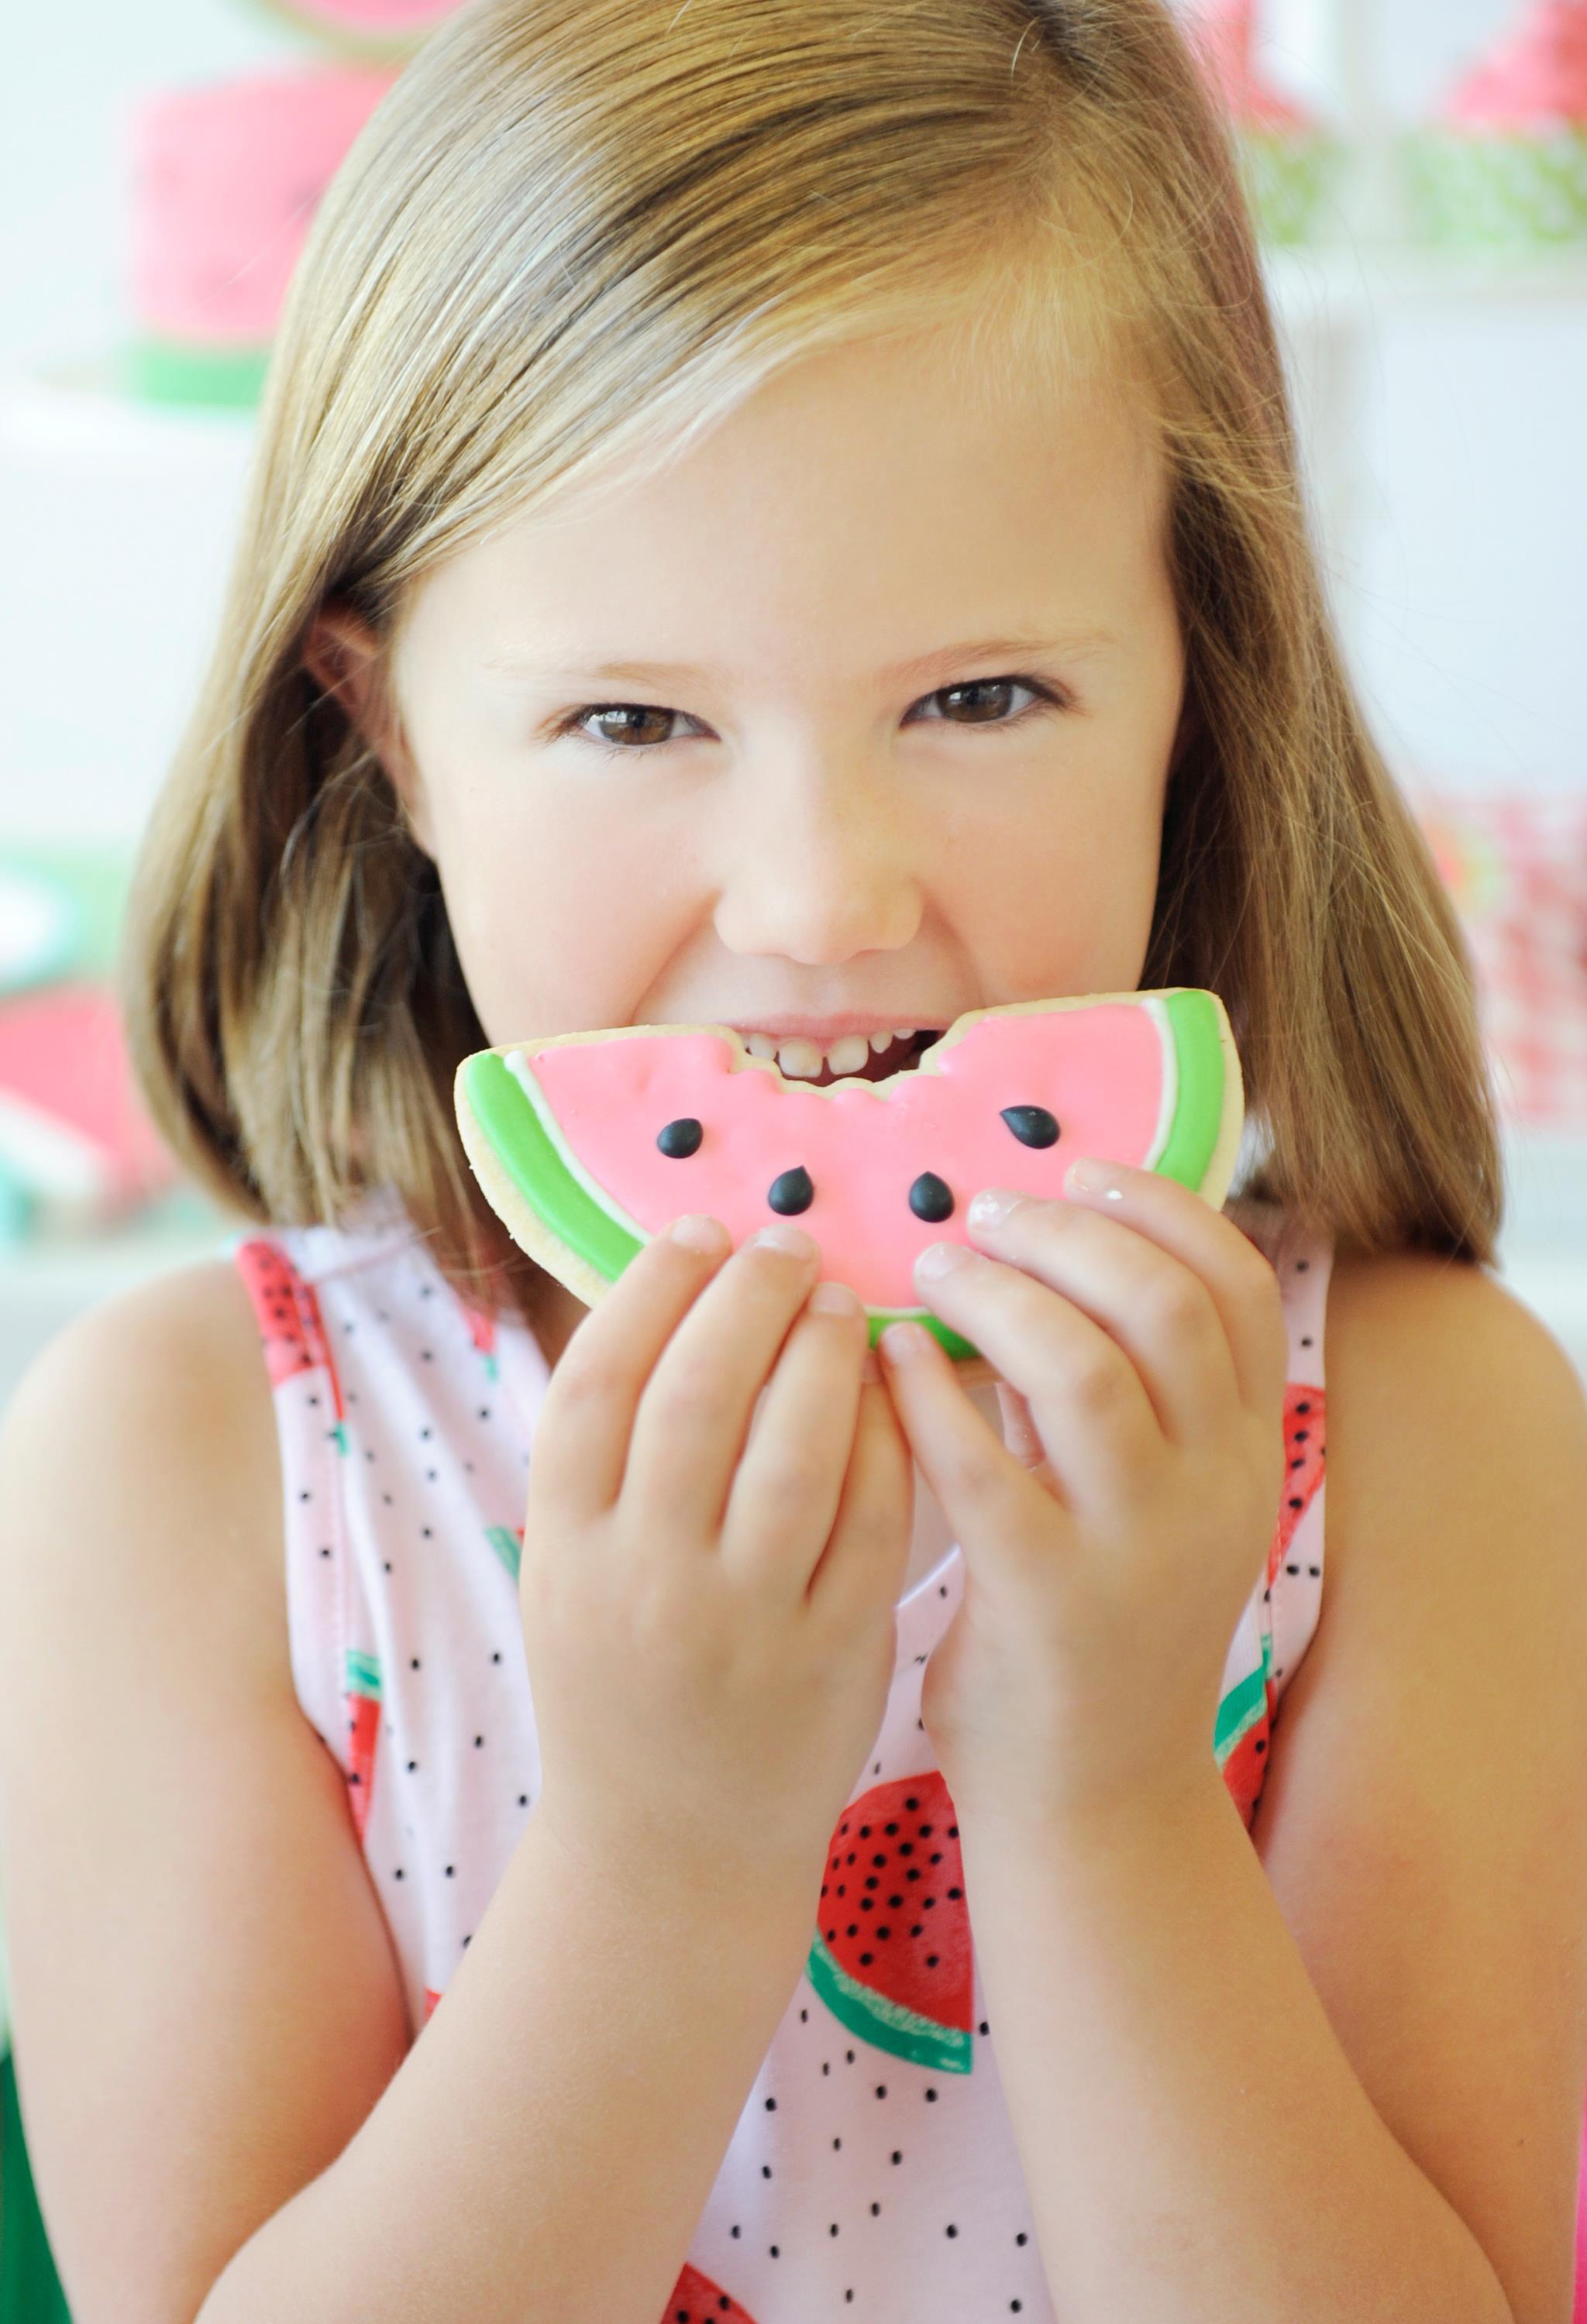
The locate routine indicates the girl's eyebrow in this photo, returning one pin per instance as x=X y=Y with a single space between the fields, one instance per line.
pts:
x=658 y=673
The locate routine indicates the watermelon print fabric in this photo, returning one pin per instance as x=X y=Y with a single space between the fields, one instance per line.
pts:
x=872 y=2171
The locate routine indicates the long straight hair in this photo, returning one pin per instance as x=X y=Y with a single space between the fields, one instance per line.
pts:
x=574 y=236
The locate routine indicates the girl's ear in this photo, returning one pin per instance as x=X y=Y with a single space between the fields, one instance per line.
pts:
x=342 y=656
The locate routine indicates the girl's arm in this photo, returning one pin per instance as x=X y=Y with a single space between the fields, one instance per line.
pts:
x=224 y=2114
x=545 y=2152
x=1338 y=2074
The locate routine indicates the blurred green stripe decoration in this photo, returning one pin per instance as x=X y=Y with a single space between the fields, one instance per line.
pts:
x=30 y=2289
x=76 y=1149
x=61 y=912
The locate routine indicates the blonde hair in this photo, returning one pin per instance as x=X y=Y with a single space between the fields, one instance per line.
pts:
x=575 y=234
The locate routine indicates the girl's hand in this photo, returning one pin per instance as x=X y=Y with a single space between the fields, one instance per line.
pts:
x=1111 y=1542
x=710 y=1625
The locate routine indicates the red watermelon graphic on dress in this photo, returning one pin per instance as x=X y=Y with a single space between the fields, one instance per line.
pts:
x=1245 y=1715
x=482 y=1331
x=361 y=1688
x=892 y=1955
x=695 y=2300
x=892 y=1958
x=289 y=1326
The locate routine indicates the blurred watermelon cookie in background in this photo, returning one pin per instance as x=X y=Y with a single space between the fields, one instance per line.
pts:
x=586 y=1144
x=1504 y=164
x=1287 y=155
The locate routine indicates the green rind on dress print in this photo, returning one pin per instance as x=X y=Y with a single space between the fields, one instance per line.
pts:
x=505 y=1543
x=362 y=1675
x=1240 y=1710
x=1195 y=1053
x=886 y=2025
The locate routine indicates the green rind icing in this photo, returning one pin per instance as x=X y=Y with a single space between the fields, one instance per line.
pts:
x=886 y=2025
x=538 y=1171
x=1240 y=1710
x=518 y=1140
x=542 y=1176
x=161 y=371
x=504 y=1542
x=362 y=1675
x=1199 y=1110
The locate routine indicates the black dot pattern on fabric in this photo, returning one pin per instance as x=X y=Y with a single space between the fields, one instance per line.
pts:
x=406 y=1445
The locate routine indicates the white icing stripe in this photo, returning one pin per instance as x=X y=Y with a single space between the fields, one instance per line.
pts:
x=1169 y=1099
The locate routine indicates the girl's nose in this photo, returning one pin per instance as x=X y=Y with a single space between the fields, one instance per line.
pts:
x=819 y=883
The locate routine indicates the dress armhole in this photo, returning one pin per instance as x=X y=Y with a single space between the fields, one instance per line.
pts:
x=1297 y=1564
x=311 y=1431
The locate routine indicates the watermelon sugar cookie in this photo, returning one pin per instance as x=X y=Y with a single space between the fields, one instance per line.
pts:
x=586 y=1144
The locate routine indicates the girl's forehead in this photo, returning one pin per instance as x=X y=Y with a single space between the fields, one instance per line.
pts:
x=869 y=470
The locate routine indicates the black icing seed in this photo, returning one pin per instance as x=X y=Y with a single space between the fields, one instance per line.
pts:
x=1032 y=1125
x=681 y=1138
x=930 y=1198
x=792 y=1191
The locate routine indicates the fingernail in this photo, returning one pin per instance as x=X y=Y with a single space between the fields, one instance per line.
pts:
x=941 y=1258
x=992 y=1206
x=697 y=1232
x=1093 y=1177
x=834 y=1300
x=783 y=1237
x=900 y=1341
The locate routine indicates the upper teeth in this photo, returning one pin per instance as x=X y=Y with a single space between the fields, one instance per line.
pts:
x=801 y=1060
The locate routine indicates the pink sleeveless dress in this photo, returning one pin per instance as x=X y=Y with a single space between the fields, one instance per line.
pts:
x=873 y=2164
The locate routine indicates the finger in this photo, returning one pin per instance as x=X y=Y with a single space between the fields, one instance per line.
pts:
x=1087 y=1400
x=1239 y=1276
x=785 y=1491
x=1152 y=1302
x=581 y=1441
x=984 y=1492
x=867 y=1551
x=694 y=1412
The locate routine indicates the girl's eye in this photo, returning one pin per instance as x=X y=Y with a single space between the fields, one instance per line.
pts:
x=631 y=716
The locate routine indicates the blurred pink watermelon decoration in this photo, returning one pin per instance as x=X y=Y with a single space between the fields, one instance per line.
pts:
x=75 y=1139
x=1515 y=862
x=1503 y=163
x=227 y=182
x=1287 y=156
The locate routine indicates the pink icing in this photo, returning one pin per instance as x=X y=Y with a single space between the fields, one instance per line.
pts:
x=227 y=181
x=1098 y=1070
x=1536 y=78
x=1223 y=36
x=399 y=18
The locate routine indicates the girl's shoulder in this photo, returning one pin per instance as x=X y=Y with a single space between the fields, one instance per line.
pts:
x=1433 y=1366
x=1424 y=1823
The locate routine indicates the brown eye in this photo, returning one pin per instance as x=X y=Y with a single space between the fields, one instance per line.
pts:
x=627 y=719
x=986 y=699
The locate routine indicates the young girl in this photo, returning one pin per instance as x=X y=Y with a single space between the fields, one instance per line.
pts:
x=786 y=514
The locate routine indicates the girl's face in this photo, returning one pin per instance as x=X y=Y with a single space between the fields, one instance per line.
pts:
x=911 y=686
